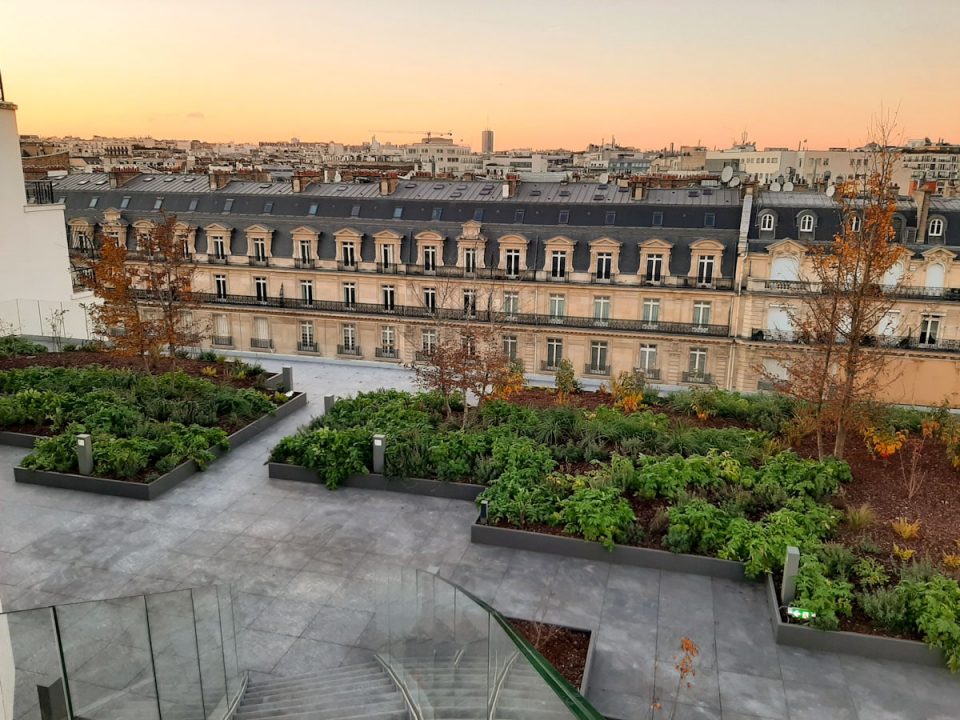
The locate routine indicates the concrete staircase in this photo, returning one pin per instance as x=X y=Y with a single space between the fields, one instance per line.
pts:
x=356 y=692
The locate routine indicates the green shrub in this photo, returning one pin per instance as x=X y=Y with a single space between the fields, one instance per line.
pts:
x=827 y=596
x=786 y=476
x=518 y=500
x=57 y=453
x=122 y=458
x=887 y=607
x=565 y=379
x=837 y=560
x=596 y=514
x=13 y=345
x=870 y=573
x=453 y=455
x=696 y=526
x=746 y=446
x=333 y=454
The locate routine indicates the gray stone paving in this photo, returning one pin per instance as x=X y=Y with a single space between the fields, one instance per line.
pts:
x=307 y=564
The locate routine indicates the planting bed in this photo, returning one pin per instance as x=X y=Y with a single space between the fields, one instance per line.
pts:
x=567 y=649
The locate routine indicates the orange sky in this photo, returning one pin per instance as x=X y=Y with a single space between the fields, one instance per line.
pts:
x=544 y=73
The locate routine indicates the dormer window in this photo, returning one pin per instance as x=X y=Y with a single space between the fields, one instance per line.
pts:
x=767 y=222
x=806 y=223
x=855 y=224
x=470 y=260
x=705 y=269
x=348 y=252
x=512 y=258
x=430 y=258
x=935 y=228
x=558 y=264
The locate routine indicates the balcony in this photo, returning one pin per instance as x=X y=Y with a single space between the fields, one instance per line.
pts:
x=82 y=277
x=591 y=369
x=601 y=278
x=891 y=342
x=386 y=353
x=344 y=266
x=648 y=373
x=304 y=263
x=261 y=343
x=388 y=268
x=349 y=350
x=307 y=347
x=423 y=355
x=697 y=378
x=39 y=193
x=561 y=278
x=486 y=316
x=223 y=340
x=258 y=261
x=549 y=366
x=218 y=259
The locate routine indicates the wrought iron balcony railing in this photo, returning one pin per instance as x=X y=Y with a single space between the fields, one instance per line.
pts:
x=591 y=369
x=223 y=340
x=258 y=261
x=353 y=350
x=306 y=347
x=218 y=259
x=700 y=378
x=39 y=192
x=304 y=263
x=648 y=373
x=386 y=353
x=261 y=343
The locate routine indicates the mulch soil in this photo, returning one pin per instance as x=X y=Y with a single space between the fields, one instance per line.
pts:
x=563 y=647
x=85 y=358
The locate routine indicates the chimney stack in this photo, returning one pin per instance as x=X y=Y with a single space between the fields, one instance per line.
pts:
x=218 y=180
x=388 y=183
x=302 y=179
x=121 y=176
x=511 y=185
x=921 y=196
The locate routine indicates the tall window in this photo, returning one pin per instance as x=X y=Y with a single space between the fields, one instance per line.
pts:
x=349 y=254
x=654 y=272
x=261 y=330
x=470 y=260
x=558 y=264
x=260 y=284
x=701 y=314
x=705 y=267
x=389 y=297
x=219 y=248
x=430 y=258
x=558 y=307
x=601 y=309
x=220 y=284
x=604 y=266
x=929 y=329
x=349 y=294
x=598 y=356
x=554 y=352
x=304 y=249
x=806 y=223
x=698 y=362
x=349 y=338
x=221 y=329
x=651 y=311
x=306 y=335
x=935 y=228
x=430 y=299
x=470 y=302
x=306 y=291
x=510 y=347
x=766 y=222
x=513 y=262
x=386 y=255
x=260 y=249
x=388 y=339
x=648 y=358
x=511 y=303
x=429 y=340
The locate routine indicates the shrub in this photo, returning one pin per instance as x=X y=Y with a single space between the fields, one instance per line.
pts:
x=565 y=379
x=905 y=529
x=696 y=526
x=888 y=609
x=827 y=596
x=518 y=500
x=870 y=573
x=453 y=455
x=333 y=454
x=837 y=560
x=13 y=345
x=860 y=517
x=597 y=514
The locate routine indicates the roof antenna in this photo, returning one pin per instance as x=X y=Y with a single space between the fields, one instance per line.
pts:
x=1 y=88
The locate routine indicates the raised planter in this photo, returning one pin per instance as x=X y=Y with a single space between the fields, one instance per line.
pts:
x=849 y=643
x=160 y=485
x=17 y=439
x=620 y=555
x=370 y=481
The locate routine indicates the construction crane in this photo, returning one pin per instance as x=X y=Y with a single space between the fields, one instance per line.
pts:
x=428 y=133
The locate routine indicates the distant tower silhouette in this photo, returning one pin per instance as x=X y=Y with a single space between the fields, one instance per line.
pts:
x=486 y=142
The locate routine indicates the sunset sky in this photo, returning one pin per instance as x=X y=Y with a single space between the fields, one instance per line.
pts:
x=543 y=73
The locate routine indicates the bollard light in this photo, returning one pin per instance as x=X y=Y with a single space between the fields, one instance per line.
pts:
x=484 y=508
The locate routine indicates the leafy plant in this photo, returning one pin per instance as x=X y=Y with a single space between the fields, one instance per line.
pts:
x=333 y=454
x=860 y=517
x=870 y=573
x=827 y=596
x=951 y=561
x=905 y=529
x=837 y=560
x=596 y=514
x=565 y=380
x=903 y=553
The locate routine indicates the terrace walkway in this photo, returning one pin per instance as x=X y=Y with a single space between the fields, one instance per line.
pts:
x=308 y=563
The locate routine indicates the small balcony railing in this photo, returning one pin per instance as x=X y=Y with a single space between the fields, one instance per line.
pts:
x=591 y=369
x=601 y=278
x=348 y=266
x=549 y=366
x=258 y=261
x=698 y=378
x=385 y=353
x=388 y=268
x=261 y=343
x=648 y=373
x=304 y=263
x=352 y=350
x=562 y=278
x=307 y=346
x=217 y=259
x=423 y=355
x=223 y=340
x=82 y=277
x=39 y=192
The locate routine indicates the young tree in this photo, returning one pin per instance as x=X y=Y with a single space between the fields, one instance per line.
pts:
x=840 y=322
x=147 y=304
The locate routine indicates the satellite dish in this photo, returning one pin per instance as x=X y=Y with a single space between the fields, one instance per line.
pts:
x=726 y=174
x=831 y=190
x=774 y=186
x=408 y=176
x=604 y=178
x=734 y=182
x=788 y=187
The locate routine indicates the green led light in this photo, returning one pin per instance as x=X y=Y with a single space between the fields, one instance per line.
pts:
x=800 y=613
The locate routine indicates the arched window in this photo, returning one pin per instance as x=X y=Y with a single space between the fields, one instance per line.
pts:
x=766 y=222
x=935 y=228
x=806 y=223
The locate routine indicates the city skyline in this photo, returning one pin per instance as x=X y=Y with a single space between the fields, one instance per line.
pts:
x=542 y=75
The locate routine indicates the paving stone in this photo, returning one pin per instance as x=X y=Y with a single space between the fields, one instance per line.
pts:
x=752 y=695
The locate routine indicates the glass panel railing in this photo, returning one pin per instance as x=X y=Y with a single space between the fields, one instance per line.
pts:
x=31 y=676
x=175 y=655
x=107 y=659
x=228 y=630
x=206 y=610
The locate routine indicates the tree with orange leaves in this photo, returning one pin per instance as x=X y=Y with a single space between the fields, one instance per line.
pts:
x=840 y=321
x=146 y=300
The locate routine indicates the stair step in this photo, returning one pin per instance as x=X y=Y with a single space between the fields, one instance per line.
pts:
x=346 y=671
x=321 y=702
x=397 y=712
x=341 y=686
